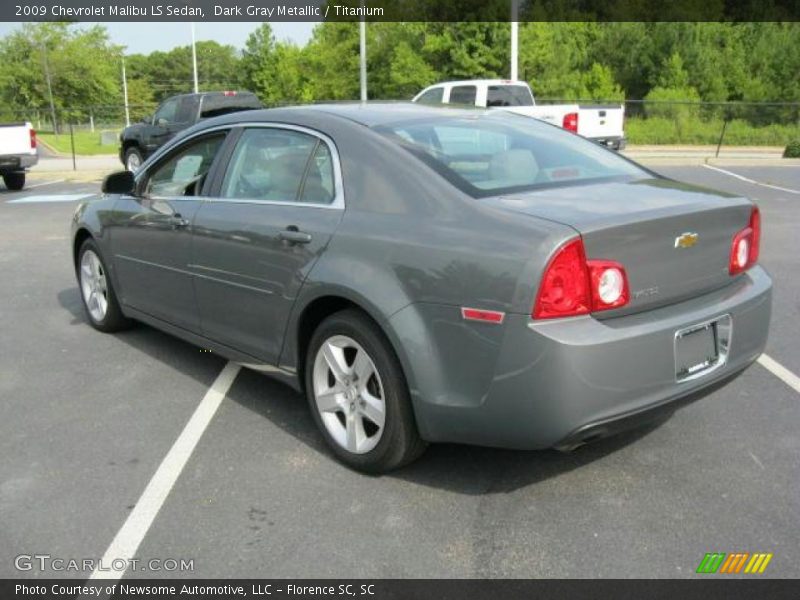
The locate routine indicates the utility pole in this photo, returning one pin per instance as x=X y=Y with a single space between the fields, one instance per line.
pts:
x=49 y=87
x=125 y=94
x=362 y=30
x=194 y=60
x=514 y=38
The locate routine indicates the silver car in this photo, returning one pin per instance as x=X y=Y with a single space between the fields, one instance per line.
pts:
x=432 y=275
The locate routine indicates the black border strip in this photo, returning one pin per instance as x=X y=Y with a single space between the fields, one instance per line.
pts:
x=399 y=10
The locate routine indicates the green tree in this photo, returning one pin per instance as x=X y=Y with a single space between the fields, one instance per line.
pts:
x=82 y=63
x=553 y=58
x=599 y=84
x=259 y=68
x=170 y=72
x=332 y=57
x=471 y=50
x=398 y=67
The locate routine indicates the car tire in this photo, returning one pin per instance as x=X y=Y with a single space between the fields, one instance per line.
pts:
x=97 y=291
x=346 y=407
x=14 y=181
x=133 y=159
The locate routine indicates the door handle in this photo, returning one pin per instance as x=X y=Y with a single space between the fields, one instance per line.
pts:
x=178 y=222
x=292 y=235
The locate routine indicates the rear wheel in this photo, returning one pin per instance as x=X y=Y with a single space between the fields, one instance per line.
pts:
x=358 y=395
x=14 y=181
x=97 y=291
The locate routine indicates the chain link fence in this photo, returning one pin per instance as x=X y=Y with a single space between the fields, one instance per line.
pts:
x=652 y=122
x=95 y=129
x=90 y=118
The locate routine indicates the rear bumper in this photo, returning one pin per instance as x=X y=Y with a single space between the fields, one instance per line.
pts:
x=615 y=143
x=10 y=163
x=560 y=382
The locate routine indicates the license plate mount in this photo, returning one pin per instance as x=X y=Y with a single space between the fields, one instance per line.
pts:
x=702 y=348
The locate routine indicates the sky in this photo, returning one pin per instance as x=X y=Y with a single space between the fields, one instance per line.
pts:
x=147 y=37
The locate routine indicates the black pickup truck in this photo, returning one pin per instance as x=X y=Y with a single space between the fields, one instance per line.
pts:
x=176 y=113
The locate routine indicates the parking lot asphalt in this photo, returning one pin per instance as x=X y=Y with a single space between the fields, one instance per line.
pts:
x=86 y=419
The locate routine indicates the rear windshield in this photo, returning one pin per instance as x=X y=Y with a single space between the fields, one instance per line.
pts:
x=491 y=154
x=214 y=105
x=509 y=95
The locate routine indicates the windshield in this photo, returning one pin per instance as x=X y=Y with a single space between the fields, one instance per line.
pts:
x=491 y=154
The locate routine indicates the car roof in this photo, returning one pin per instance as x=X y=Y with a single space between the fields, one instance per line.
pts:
x=479 y=82
x=225 y=93
x=369 y=114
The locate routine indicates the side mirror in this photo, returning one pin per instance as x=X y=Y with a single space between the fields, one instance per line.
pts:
x=162 y=122
x=121 y=182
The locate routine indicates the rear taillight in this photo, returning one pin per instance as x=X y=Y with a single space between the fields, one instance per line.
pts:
x=572 y=285
x=33 y=138
x=745 y=245
x=608 y=283
x=564 y=290
x=570 y=122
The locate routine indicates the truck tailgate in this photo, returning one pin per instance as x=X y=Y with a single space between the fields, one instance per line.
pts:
x=15 y=138
x=601 y=121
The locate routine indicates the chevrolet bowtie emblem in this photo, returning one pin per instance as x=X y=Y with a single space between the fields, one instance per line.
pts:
x=686 y=240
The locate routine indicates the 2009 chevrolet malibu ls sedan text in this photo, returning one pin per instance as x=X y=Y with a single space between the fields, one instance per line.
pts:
x=431 y=275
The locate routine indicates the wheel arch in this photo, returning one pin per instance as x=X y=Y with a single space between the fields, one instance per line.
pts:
x=128 y=143
x=315 y=310
x=81 y=235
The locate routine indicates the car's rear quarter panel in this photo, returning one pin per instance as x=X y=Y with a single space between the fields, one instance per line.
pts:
x=411 y=250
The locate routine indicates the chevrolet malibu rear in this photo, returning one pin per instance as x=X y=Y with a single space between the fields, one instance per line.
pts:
x=647 y=296
x=431 y=274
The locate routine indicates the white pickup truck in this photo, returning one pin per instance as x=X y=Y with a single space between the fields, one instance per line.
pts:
x=17 y=153
x=603 y=124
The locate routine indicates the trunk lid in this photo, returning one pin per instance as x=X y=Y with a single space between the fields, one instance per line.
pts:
x=644 y=225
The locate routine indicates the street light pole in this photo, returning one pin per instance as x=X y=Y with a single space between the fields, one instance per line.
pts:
x=362 y=33
x=194 y=60
x=49 y=87
x=125 y=94
x=514 y=38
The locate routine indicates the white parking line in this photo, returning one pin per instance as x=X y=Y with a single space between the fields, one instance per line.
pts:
x=753 y=181
x=781 y=372
x=127 y=540
x=36 y=198
x=35 y=185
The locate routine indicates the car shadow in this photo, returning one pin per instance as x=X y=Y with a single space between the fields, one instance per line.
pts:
x=469 y=470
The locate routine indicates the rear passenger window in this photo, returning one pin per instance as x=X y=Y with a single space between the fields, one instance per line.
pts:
x=508 y=95
x=279 y=165
x=463 y=94
x=318 y=187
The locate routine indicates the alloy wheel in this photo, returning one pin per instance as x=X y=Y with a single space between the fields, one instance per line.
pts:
x=94 y=285
x=134 y=162
x=349 y=394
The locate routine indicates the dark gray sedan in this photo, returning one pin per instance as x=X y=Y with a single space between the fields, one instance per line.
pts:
x=432 y=275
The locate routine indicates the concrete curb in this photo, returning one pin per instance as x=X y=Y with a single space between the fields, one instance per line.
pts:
x=718 y=162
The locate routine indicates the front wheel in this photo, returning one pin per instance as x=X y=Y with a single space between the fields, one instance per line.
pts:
x=358 y=395
x=97 y=291
x=133 y=159
x=14 y=181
